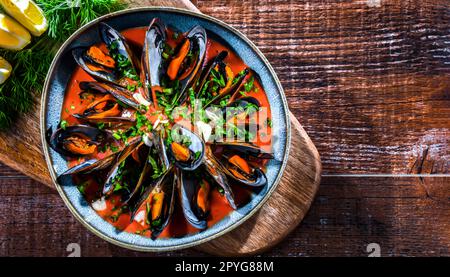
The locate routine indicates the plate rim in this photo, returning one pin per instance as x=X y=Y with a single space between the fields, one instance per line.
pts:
x=43 y=120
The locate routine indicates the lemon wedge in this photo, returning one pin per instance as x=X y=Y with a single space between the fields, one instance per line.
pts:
x=5 y=70
x=13 y=36
x=28 y=14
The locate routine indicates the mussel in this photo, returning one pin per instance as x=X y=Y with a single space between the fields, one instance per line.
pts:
x=119 y=49
x=186 y=63
x=206 y=74
x=152 y=61
x=194 y=198
x=127 y=170
x=235 y=164
x=96 y=63
x=105 y=110
x=229 y=85
x=240 y=170
x=78 y=140
x=216 y=171
x=119 y=93
x=158 y=199
x=90 y=165
x=118 y=65
x=186 y=149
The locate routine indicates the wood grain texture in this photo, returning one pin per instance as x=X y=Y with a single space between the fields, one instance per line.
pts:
x=400 y=214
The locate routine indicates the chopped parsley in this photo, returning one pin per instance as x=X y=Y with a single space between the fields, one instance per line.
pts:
x=64 y=124
x=249 y=84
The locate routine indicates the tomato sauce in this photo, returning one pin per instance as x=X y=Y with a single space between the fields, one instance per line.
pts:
x=178 y=226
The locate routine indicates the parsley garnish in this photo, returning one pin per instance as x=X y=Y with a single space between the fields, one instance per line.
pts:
x=64 y=124
x=249 y=84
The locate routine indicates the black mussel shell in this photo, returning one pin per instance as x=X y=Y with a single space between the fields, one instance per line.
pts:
x=100 y=73
x=198 y=39
x=166 y=183
x=233 y=91
x=117 y=44
x=152 y=60
x=257 y=178
x=94 y=135
x=215 y=170
x=187 y=187
x=117 y=92
x=196 y=148
x=124 y=162
x=207 y=71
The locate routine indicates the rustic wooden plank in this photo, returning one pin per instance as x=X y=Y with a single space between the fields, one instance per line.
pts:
x=369 y=84
x=401 y=214
x=7 y=172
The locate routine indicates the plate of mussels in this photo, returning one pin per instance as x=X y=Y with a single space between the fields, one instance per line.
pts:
x=163 y=128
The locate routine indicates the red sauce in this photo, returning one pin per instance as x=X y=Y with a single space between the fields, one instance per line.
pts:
x=178 y=226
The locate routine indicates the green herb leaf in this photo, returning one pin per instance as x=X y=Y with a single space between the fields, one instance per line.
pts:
x=64 y=124
x=249 y=85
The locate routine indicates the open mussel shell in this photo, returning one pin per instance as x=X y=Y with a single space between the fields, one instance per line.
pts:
x=125 y=169
x=165 y=188
x=110 y=120
x=119 y=93
x=105 y=110
x=158 y=142
x=188 y=189
x=159 y=198
x=118 y=45
x=233 y=91
x=205 y=75
x=89 y=64
x=243 y=173
x=105 y=67
x=215 y=170
x=186 y=64
x=90 y=166
x=77 y=140
x=152 y=60
x=187 y=149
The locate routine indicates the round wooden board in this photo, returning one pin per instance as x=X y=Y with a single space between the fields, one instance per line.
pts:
x=286 y=207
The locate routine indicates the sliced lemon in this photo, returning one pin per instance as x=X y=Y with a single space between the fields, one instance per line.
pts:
x=28 y=14
x=5 y=70
x=13 y=36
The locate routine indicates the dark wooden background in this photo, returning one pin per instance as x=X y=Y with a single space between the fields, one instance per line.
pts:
x=370 y=82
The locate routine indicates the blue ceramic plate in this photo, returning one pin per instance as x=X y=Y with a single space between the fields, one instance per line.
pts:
x=52 y=101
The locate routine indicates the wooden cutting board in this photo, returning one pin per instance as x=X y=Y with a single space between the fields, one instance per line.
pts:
x=20 y=148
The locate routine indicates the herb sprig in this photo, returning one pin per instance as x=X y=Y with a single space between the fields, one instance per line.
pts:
x=30 y=65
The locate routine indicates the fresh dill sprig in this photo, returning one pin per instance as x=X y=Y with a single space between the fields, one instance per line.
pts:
x=31 y=64
x=65 y=16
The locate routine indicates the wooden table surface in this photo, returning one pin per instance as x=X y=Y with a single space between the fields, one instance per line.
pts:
x=370 y=83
